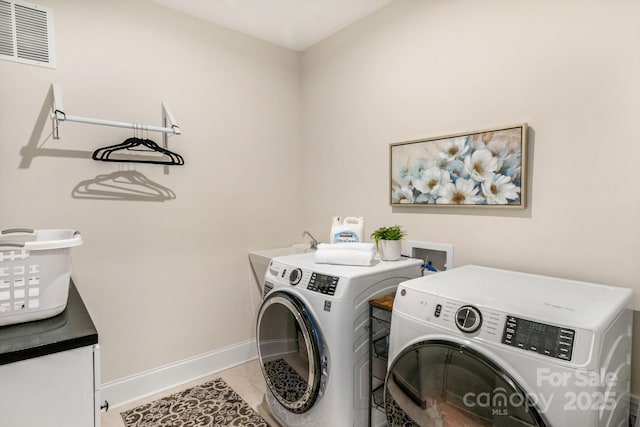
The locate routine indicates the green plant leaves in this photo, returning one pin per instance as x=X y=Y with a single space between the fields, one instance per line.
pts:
x=388 y=233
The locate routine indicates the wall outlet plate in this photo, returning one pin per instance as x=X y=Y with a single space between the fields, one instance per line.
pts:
x=439 y=255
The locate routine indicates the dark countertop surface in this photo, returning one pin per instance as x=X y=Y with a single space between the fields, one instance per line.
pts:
x=73 y=328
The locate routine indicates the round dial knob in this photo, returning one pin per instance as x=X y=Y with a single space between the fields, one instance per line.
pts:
x=468 y=319
x=295 y=276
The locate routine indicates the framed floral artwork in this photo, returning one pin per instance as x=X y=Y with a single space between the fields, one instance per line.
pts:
x=485 y=169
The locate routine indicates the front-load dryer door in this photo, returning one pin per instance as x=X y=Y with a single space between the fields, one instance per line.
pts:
x=442 y=383
x=290 y=351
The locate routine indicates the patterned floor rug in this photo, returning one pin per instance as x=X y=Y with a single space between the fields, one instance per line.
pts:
x=212 y=404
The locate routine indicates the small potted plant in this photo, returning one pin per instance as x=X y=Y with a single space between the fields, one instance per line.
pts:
x=388 y=242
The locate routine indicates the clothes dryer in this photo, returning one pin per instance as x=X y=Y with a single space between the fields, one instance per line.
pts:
x=313 y=340
x=476 y=346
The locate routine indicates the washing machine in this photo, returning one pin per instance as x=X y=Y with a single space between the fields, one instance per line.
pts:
x=312 y=337
x=477 y=346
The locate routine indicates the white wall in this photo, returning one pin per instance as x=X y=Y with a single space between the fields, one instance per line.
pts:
x=419 y=69
x=163 y=281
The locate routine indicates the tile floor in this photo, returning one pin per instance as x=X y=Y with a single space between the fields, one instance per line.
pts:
x=245 y=379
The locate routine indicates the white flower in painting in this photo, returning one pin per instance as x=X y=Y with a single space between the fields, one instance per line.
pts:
x=431 y=180
x=481 y=165
x=500 y=152
x=402 y=194
x=403 y=175
x=456 y=169
x=463 y=192
x=498 y=189
x=497 y=147
x=424 y=199
x=513 y=172
x=417 y=169
x=454 y=148
x=476 y=143
x=511 y=163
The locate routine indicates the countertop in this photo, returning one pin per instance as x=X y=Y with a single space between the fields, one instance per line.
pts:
x=384 y=302
x=73 y=328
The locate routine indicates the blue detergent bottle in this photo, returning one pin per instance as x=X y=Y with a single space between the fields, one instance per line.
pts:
x=349 y=230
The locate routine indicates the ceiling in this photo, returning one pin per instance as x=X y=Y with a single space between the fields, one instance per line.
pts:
x=294 y=24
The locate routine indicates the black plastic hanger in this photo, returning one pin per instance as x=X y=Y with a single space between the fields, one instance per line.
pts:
x=105 y=153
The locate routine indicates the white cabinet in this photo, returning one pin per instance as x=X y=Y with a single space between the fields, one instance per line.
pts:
x=55 y=390
x=50 y=370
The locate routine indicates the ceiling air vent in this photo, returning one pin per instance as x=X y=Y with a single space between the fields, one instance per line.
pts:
x=26 y=33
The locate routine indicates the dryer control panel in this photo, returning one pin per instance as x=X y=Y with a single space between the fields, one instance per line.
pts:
x=474 y=321
x=549 y=340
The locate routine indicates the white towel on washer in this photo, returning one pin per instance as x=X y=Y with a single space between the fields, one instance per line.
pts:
x=344 y=256
x=352 y=246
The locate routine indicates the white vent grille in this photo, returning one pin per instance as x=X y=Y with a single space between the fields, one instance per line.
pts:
x=26 y=33
x=6 y=29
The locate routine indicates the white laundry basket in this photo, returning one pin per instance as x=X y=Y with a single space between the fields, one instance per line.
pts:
x=35 y=269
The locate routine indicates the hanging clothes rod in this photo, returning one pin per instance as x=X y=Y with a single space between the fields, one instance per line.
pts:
x=59 y=115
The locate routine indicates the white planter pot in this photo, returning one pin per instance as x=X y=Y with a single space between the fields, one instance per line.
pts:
x=389 y=250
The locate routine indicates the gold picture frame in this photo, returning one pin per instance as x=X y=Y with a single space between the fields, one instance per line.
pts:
x=473 y=169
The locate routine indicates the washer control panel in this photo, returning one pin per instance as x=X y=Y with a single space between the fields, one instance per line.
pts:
x=549 y=340
x=303 y=278
x=323 y=284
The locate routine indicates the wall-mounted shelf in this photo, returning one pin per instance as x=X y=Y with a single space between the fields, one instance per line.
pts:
x=169 y=125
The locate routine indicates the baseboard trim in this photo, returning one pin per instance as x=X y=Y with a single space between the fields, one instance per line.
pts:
x=138 y=386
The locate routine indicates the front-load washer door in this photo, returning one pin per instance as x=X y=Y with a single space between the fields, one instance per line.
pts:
x=290 y=351
x=442 y=383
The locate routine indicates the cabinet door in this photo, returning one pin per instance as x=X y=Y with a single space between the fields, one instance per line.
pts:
x=56 y=390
